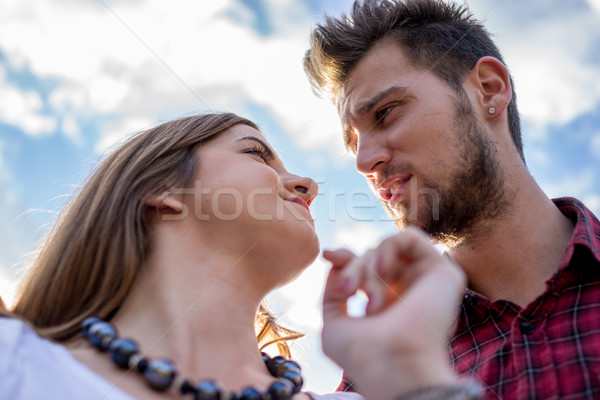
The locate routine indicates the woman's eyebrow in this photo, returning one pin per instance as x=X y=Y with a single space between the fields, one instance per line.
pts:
x=268 y=149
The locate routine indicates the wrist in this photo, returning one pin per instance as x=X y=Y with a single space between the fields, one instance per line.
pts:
x=465 y=390
x=387 y=377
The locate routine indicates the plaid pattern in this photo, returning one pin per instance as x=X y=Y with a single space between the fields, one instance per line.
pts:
x=550 y=349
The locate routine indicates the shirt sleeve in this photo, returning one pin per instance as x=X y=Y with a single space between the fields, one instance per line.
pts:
x=32 y=367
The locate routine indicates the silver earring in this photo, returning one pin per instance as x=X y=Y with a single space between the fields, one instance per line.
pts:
x=492 y=110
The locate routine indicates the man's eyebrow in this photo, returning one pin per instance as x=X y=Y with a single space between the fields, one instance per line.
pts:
x=366 y=106
x=268 y=149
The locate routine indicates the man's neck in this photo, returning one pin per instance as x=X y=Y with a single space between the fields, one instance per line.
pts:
x=511 y=258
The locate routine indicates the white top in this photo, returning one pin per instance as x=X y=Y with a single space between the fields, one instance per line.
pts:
x=35 y=368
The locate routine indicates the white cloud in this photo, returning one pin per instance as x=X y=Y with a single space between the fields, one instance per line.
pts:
x=70 y=128
x=22 y=109
x=557 y=93
x=117 y=62
x=595 y=5
x=125 y=128
x=555 y=77
x=360 y=237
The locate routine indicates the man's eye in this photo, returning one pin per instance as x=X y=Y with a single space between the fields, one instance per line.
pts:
x=382 y=113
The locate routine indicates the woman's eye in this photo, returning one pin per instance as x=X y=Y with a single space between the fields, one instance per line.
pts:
x=260 y=153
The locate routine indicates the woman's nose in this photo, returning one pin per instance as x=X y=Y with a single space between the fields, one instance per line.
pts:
x=303 y=187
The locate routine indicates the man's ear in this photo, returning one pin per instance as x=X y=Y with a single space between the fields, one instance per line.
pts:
x=490 y=77
x=166 y=202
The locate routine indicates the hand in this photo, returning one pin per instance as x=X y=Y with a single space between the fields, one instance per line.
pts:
x=413 y=292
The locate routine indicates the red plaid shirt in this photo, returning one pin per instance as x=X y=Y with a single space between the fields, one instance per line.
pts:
x=551 y=348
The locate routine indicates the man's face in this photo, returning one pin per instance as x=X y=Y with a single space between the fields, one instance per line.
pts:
x=431 y=162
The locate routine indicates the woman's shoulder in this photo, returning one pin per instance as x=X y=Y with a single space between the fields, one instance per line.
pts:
x=33 y=367
x=17 y=339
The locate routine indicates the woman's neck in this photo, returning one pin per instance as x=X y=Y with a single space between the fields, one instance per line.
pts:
x=196 y=314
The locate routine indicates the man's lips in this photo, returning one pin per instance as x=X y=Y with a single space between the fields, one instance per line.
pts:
x=393 y=187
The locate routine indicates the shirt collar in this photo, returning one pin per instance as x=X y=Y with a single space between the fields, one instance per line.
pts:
x=587 y=227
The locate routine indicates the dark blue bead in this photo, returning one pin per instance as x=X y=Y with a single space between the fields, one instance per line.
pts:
x=295 y=378
x=275 y=365
x=281 y=389
x=250 y=394
x=207 y=390
x=292 y=365
x=121 y=351
x=87 y=323
x=160 y=373
x=266 y=357
x=101 y=334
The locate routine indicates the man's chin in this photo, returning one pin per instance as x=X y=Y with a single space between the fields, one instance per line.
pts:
x=405 y=215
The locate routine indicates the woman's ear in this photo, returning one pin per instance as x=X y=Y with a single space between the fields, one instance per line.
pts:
x=166 y=203
x=491 y=79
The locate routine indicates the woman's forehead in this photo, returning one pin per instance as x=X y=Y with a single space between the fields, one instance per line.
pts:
x=240 y=131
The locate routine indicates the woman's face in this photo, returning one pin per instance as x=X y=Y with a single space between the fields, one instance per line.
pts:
x=243 y=192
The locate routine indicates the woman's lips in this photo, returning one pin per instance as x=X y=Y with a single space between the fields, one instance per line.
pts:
x=298 y=200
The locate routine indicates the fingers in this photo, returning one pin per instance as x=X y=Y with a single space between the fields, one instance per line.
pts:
x=385 y=272
x=339 y=286
x=338 y=258
x=350 y=273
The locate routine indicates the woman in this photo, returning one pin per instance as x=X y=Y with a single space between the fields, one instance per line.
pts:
x=174 y=240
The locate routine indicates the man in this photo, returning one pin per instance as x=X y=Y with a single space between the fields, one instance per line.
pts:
x=428 y=107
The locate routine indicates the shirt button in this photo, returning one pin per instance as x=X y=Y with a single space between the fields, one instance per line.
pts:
x=527 y=327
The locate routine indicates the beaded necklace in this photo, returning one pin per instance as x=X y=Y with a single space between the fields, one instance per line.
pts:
x=161 y=374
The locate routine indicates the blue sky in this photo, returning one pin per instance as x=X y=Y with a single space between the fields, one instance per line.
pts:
x=76 y=76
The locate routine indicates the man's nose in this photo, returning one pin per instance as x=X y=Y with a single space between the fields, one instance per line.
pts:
x=370 y=155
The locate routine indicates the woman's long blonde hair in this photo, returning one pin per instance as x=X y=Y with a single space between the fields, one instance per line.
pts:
x=91 y=257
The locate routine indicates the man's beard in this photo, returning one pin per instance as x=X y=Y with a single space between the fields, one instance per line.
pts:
x=453 y=210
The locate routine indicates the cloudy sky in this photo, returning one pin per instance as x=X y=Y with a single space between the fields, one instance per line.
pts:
x=77 y=75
